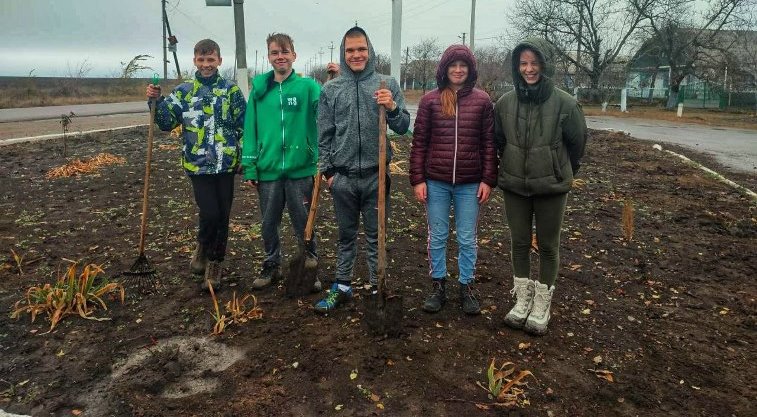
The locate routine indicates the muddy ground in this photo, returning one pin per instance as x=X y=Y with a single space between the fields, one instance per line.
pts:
x=671 y=313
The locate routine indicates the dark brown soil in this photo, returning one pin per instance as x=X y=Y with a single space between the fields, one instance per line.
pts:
x=670 y=313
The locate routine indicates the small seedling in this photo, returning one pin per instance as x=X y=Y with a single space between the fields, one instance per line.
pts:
x=65 y=122
x=505 y=391
x=628 y=219
x=70 y=294
x=19 y=259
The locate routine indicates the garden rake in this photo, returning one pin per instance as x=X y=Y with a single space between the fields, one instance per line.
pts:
x=383 y=313
x=141 y=274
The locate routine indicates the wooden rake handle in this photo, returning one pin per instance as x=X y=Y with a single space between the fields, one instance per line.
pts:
x=150 y=134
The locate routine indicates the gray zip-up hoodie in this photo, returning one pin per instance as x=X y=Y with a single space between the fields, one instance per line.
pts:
x=348 y=117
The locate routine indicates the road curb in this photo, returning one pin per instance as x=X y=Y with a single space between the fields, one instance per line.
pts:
x=26 y=139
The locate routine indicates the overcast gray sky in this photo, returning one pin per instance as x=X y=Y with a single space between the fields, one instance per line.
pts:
x=50 y=36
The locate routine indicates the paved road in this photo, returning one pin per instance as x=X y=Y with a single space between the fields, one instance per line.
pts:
x=734 y=148
x=54 y=112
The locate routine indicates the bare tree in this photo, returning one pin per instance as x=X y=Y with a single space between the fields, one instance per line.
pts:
x=588 y=34
x=425 y=56
x=129 y=69
x=494 y=65
x=383 y=64
x=683 y=30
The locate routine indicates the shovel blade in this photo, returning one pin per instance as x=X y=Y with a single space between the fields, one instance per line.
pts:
x=303 y=271
x=383 y=314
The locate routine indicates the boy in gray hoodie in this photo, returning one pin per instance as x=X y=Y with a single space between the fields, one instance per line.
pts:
x=348 y=131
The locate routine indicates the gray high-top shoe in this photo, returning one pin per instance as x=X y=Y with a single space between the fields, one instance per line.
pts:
x=537 y=321
x=523 y=289
x=199 y=261
x=213 y=274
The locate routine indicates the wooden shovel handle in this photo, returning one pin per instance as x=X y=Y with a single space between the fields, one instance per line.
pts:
x=381 y=270
x=313 y=208
x=150 y=134
x=314 y=199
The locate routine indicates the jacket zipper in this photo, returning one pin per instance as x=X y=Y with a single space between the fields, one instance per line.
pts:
x=528 y=145
x=359 y=137
x=283 y=143
x=454 y=160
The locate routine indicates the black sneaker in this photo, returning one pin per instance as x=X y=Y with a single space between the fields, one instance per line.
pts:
x=468 y=300
x=437 y=298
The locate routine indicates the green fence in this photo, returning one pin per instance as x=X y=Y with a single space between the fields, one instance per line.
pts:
x=702 y=95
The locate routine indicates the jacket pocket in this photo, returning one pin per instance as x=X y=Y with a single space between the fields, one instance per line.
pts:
x=556 y=162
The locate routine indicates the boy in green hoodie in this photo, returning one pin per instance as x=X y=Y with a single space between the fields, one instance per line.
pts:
x=280 y=150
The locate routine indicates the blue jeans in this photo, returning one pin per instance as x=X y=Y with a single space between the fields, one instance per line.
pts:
x=441 y=195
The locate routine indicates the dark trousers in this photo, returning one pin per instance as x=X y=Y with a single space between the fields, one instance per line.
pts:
x=293 y=194
x=213 y=195
x=355 y=197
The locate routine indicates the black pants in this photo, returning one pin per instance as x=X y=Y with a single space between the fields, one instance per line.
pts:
x=214 y=195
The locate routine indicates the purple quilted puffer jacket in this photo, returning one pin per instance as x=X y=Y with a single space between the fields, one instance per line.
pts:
x=458 y=149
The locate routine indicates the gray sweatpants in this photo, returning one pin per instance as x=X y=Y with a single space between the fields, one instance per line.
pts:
x=295 y=195
x=354 y=196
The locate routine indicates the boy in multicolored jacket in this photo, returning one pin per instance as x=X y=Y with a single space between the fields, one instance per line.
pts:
x=211 y=112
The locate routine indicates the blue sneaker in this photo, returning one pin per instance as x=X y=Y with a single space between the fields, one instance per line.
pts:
x=334 y=299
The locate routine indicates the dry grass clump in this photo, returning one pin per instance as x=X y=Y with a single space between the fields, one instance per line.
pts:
x=70 y=294
x=236 y=311
x=87 y=166
x=505 y=386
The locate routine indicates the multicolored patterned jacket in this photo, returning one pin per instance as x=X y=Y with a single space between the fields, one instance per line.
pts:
x=211 y=112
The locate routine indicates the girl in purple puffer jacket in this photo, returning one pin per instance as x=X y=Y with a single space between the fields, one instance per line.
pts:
x=453 y=163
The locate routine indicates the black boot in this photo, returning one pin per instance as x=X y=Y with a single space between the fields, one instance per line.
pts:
x=437 y=298
x=468 y=300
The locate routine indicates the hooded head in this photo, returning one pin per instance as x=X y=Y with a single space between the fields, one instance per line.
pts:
x=541 y=90
x=358 y=58
x=450 y=55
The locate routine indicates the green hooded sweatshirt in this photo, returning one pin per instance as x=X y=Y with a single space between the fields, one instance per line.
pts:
x=280 y=134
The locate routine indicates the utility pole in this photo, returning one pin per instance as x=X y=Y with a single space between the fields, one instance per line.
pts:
x=320 y=52
x=165 y=48
x=171 y=45
x=472 y=23
x=407 y=58
x=396 y=38
x=332 y=51
x=256 y=62
x=241 y=51
x=462 y=37
x=576 y=80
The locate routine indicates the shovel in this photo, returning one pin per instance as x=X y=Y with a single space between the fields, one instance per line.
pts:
x=141 y=274
x=303 y=269
x=383 y=312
